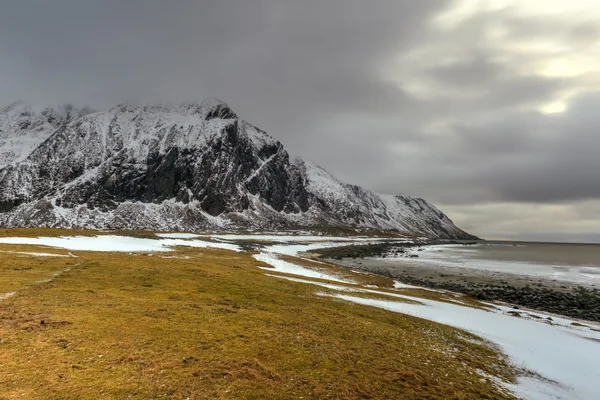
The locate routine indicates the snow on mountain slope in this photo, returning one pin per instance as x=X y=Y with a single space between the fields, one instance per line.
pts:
x=193 y=166
x=23 y=128
x=356 y=206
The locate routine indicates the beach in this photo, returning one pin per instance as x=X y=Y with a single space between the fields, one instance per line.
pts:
x=521 y=274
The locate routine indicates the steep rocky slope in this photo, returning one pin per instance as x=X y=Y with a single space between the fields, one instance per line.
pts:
x=195 y=166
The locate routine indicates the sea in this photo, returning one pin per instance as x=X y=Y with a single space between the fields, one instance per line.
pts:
x=574 y=263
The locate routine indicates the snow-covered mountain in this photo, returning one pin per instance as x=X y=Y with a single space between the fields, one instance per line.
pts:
x=192 y=167
x=23 y=128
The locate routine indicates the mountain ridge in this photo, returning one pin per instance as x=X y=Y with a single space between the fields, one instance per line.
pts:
x=193 y=166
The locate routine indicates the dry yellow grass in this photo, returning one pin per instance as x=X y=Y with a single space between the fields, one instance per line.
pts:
x=214 y=327
x=34 y=232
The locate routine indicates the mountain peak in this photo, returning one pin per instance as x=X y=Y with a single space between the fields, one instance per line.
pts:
x=215 y=108
x=210 y=108
x=191 y=166
x=23 y=107
x=212 y=102
x=17 y=105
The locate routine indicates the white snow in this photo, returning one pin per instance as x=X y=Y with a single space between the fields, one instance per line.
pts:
x=406 y=214
x=29 y=253
x=116 y=243
x=182 y=258
x=559 y=352
x=537 y=316
x=270 y=256
x=167 y=240
x=4 y=296
x=344 y=288
x=530 y=388
x=322 y=284
x=22 y=129
x=569 y=357
x=290 y=268
x=456 y=257
x=262 y=165
x=36 y=254
x=199 y=243
x=94 y=142
x=292 y=238
x=177 y=235
x=400 y=285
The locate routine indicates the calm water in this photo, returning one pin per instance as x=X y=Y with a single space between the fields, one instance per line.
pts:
x=560 y=261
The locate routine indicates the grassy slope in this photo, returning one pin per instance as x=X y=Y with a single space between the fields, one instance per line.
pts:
x=214 y=326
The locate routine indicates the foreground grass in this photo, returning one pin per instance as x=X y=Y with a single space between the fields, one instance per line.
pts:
x=214 y=326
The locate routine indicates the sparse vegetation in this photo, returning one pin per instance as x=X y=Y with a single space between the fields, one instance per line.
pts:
x=212 y=326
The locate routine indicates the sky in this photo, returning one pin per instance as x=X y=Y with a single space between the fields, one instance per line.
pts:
x=489 y=109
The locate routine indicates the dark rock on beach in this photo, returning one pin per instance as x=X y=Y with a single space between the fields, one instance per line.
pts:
x=561 y=298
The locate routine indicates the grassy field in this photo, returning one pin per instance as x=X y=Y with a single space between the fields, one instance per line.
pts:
x=211 y=325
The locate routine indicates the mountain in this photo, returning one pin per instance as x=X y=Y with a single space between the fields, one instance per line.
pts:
x=188 y=167
x=23 y=128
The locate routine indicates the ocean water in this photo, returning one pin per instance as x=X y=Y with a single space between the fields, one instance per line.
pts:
x=578 y=263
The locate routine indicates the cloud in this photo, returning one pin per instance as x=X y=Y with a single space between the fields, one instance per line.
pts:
x=573 y=222
x=445 y=99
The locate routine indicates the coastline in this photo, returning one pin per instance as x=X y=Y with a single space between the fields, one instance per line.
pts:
x=557 y=297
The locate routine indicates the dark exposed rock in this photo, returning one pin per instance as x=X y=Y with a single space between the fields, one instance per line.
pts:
x=190 y=167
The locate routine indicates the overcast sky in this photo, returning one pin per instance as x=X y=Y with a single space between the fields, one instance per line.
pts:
x=490 y=109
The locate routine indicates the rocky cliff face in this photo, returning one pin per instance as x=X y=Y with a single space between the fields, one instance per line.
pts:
x=190 y=167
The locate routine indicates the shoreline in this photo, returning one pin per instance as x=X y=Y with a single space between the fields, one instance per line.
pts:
x=557 y=297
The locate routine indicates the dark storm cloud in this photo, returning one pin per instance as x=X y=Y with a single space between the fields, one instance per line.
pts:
x=283 y=65
x=516 y=157
x=564 y=165
x=494 y=145
x=539 y=158
x=245 y=51
x=335 y=82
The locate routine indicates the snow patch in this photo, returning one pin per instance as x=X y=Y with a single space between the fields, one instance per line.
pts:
x=400 y=285
x=289 y=268
x=177 y=235
x=563 y=355
x=28 y=253
x=346 y=288
x=5 y=296
x=292 y=238
x=114 y=243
